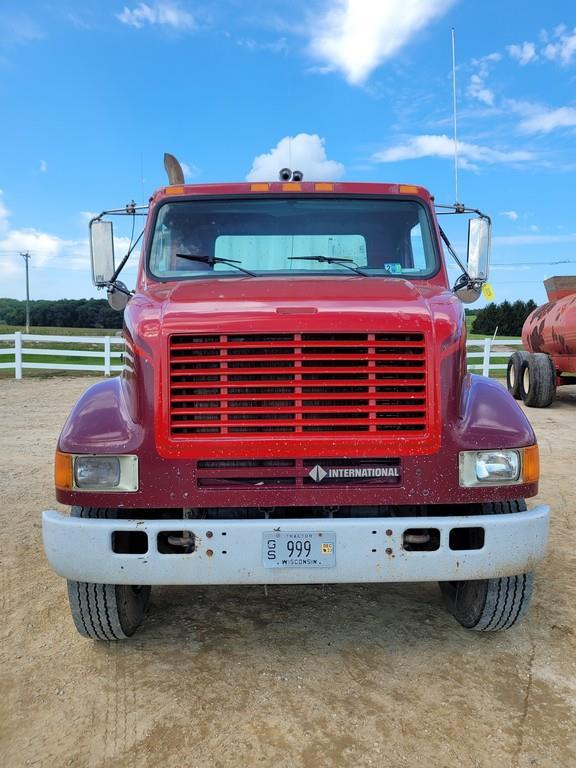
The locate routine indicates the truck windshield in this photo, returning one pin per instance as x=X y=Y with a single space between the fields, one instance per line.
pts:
x=286 y=236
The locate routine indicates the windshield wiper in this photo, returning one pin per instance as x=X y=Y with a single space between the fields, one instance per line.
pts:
x=348 y=263
x=216 y=260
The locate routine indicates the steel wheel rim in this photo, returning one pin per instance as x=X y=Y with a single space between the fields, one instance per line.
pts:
x=526 y=381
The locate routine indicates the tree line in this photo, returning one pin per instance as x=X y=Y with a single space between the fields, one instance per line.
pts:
x=63 y=313
x=506 y=317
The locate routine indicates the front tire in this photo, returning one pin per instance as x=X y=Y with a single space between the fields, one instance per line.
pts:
x=490 y=605
x=106 y=611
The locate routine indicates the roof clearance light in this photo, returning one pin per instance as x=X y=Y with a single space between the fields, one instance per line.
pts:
x=174 y=190
x=408 y=189
x=259 y=187
x=324 y=187
x=292 y=186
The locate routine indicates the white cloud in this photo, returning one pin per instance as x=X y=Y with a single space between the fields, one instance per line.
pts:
x=478 y=90
x=160 y=13
x=477 y=87
x=443 y=146
x=4 y=214
x=87 y=216
x=43 y=166
x=512 y=215
x=523 y=54
x=45 y=248
x=274 y=46
x=304 y=152
x=190 y=171
x=547 y=120
x=564 y=49
x=18 y=29
x=356 y=36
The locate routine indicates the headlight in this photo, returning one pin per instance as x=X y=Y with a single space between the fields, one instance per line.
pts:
x=96 y=473
x=499 y=467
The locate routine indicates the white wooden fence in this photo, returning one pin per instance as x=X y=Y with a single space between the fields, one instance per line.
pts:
x=487 y=349
x=479 y=353
x=14 y=345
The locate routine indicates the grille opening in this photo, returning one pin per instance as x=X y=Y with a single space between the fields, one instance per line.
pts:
x=261 y=429
x=244 y=463
x=335 y=337
x=263 y=481
x=466 y=538
x=255 y=337
x=335 y=350
x=176 y=542
x=289 y=383
x=130 y=542
x=421 y=540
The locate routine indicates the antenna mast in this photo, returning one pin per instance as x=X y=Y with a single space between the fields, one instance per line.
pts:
x=457 y=202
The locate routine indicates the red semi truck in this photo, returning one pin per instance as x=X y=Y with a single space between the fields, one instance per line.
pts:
x=294 y=409
x=549 y=334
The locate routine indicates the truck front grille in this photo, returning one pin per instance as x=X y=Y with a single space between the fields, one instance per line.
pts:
x=310 y=383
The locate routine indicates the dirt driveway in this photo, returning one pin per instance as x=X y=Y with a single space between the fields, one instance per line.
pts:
x=348 y=676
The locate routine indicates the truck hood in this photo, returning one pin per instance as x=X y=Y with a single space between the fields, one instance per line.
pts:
x=297 y=303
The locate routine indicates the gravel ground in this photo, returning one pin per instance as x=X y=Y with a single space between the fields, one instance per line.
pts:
x=314 y=677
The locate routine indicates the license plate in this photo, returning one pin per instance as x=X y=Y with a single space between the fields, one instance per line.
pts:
x=299 y=549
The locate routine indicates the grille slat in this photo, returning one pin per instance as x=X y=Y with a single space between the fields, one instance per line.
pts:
x=297 y=383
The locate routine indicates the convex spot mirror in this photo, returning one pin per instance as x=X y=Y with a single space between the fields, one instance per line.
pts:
x=101 y=252
x=479 y=242
x=466 y=291
x=118 y=296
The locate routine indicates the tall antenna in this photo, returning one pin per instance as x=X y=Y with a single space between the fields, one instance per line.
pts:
x=454 y=116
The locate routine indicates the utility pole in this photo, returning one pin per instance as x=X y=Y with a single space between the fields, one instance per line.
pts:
x=26 y=257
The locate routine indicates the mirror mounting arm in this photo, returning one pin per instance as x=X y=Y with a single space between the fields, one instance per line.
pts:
x=120 y=266
x=448 y=244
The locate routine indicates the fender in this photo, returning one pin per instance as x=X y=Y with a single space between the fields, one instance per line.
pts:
x=101 y=422
x=490 y=417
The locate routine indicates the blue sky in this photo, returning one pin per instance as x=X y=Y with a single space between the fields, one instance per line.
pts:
x=93 y=93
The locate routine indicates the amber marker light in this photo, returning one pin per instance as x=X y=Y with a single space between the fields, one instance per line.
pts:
x=531 y=464
x=174 y=190
x=259 y=187
x=63 y=470
x=408 y=189
x=292 y=186
x=324 y=187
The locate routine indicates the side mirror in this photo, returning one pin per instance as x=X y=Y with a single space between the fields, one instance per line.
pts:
x=479 y=241
x=101 y=252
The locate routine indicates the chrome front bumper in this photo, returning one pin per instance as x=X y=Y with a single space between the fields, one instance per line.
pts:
x=231 y=551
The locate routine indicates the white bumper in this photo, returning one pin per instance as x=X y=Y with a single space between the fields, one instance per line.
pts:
x=367 y=550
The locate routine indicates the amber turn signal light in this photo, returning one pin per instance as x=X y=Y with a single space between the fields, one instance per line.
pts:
x=63 y=470
x=531 y=464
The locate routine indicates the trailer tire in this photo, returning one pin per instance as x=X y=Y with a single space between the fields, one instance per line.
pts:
x=538 y=380
x=490 y=605
x=514 y=373
x=106 y=611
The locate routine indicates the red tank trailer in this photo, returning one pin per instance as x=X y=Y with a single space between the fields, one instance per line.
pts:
x=549 y=334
